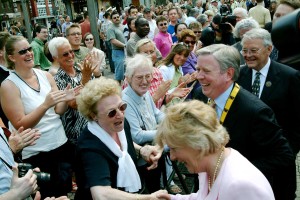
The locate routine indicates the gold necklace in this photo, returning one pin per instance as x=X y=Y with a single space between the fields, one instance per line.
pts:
x=216 y=170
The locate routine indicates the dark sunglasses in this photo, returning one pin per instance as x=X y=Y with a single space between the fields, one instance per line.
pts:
x=66 y=54
x=117 y=17
x=190 y=42
x=164 y=24
x=197 y=32
x=113 y=112
x=24 y=51
x=89 y=39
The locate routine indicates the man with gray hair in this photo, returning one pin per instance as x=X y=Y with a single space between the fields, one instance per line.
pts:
x=277 y=85
x=193 y=14
x=203 y=20
x=240 y=13
x=239 y=30
x=251 y=124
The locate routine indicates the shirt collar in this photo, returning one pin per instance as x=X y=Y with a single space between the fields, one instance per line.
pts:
x=222 y=99
x=263 y=71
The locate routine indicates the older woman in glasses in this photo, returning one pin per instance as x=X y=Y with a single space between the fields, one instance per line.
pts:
x=196 y=138
x=31 y=99
x=106 y=154
x=74 y=74
x=89 y=42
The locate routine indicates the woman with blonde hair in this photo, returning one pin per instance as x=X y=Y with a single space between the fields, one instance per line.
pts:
x=195 y=137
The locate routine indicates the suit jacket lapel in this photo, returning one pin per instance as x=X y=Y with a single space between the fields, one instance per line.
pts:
x=272 y=81
x=245 y=78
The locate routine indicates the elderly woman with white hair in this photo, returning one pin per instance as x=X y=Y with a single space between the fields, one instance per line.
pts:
x=75 y=75
x=141 y=112
x=195 y=136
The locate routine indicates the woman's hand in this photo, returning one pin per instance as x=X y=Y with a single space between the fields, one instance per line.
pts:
x=162 y=90
x=87 y=70
x=20 y=139
x=161 y=194
x=53 y=98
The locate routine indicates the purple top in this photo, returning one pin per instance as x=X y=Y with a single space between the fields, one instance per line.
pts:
x=190 y=64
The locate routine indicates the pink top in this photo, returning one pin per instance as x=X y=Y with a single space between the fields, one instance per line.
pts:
x=163 y=42
x=238 y=180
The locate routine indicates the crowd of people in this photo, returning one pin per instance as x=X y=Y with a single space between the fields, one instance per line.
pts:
x=199 y=83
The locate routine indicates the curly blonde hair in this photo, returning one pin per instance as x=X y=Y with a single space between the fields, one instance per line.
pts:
x=192 y=124
x=93 y=92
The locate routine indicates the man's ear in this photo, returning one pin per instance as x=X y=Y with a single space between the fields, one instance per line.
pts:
x=230 y=73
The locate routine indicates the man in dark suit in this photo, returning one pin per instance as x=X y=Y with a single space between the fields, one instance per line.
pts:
x=279 y=88
x=251 y=124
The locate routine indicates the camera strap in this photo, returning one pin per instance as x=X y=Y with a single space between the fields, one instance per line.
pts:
x=8 y=165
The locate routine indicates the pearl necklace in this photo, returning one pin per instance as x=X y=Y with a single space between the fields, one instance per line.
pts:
x=216 y=170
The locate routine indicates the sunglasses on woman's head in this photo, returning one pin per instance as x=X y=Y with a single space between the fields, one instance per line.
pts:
x=113 y=112
x=24 y=51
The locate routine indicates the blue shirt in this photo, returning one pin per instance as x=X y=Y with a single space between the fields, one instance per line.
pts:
x=141 y=113
x=171 y=30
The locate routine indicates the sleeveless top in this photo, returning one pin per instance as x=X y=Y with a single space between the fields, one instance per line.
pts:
x=50 y=126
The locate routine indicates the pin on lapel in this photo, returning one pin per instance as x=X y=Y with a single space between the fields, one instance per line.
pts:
x=268 y=84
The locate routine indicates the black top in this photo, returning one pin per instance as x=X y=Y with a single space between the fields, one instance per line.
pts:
x=3 y=75
x=96 y=165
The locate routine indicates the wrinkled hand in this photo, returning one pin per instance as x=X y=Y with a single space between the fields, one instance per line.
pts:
x=199 y=46
x=20 y=139
x=23 y=186
x=162 y=90
x=161 y=194
x=38 y=197
x=96 y=59
x=71 y=92
x=151 y=154
x=188 y=78
x=87 y=69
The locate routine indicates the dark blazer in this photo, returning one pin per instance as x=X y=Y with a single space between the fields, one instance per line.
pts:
x=255 y=133
x=282 y=93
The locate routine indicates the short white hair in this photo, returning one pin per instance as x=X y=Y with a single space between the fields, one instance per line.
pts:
x=55 y=43
x=243 y=11
x=138 y=60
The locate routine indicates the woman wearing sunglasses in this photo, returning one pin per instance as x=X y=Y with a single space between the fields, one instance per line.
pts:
x=106 y=155
x=89 y=42
x=31 y=99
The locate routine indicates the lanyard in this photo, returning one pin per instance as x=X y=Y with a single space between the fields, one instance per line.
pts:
x=229 y=102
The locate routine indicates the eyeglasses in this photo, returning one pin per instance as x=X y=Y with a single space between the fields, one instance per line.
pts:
x=196 y=32
x=113 y=112
x=117 y=17
x=163 y=24
x=250 y=51
x=66 y=54
x=190 y=42
x=89 y=39
x=148 y=77
x=74 y=34
x=24 y=51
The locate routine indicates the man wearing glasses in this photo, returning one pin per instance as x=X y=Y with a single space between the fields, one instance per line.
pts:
x=251 y=124
x=74 y=36
x=277 y=85
x=163 y=39
x=40 y=60
x=117 y=39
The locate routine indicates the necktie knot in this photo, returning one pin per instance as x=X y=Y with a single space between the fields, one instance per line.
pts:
x=212 y=103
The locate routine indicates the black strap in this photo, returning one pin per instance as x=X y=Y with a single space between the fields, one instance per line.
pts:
x=8 y=165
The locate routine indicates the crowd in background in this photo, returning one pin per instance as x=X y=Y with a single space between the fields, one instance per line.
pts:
x=67 y=119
